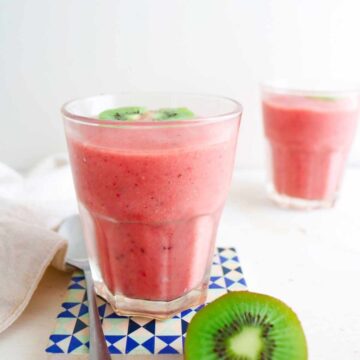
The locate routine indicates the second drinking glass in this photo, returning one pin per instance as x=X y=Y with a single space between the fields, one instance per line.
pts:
x=309 y=135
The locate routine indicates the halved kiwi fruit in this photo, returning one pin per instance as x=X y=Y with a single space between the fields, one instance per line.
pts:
x=123 y=113
x=245 y=326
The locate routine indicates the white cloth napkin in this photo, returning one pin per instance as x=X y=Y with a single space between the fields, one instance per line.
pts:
x=31 y=207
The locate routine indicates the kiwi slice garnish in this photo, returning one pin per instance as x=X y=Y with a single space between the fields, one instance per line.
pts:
x=123 y=113
x=173 y=114
x=245 y=326
x=322 y=98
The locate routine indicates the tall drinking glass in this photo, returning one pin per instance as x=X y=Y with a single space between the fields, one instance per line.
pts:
x=150 y=196
x=309 y=135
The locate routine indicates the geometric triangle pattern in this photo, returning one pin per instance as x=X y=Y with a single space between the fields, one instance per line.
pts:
x=133 y=335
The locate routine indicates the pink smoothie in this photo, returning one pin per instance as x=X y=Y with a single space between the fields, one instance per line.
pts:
x=309 y=142
x=153 y=199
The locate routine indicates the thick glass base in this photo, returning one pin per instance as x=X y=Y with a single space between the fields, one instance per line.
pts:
x=123 y=305
x=290 y=202
x=150 y=269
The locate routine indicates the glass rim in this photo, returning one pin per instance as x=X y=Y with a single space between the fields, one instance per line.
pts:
x=281 y=87
x=93 y=121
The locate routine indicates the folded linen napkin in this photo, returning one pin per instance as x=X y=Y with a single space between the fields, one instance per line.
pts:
x=31 y=207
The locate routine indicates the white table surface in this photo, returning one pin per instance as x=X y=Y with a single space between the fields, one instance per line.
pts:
x=311 y=260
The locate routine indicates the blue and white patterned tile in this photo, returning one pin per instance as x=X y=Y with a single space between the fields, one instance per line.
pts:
x=131 y=335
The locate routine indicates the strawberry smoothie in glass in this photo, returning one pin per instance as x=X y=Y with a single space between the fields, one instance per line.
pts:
x=151 y=172
x=309 y=135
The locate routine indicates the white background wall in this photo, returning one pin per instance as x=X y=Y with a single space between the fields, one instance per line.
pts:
x=51 y=51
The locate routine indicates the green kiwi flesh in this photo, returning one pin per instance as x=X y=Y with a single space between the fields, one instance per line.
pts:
x=173 y=114
x=123 y=113
x=323 y=98
x=245 y=326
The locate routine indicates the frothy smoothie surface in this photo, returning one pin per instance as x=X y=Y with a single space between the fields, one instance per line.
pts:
x=152 y=198
x=309 y=140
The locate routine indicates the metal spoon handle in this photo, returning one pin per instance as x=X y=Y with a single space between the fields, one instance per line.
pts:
x=98 y=347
